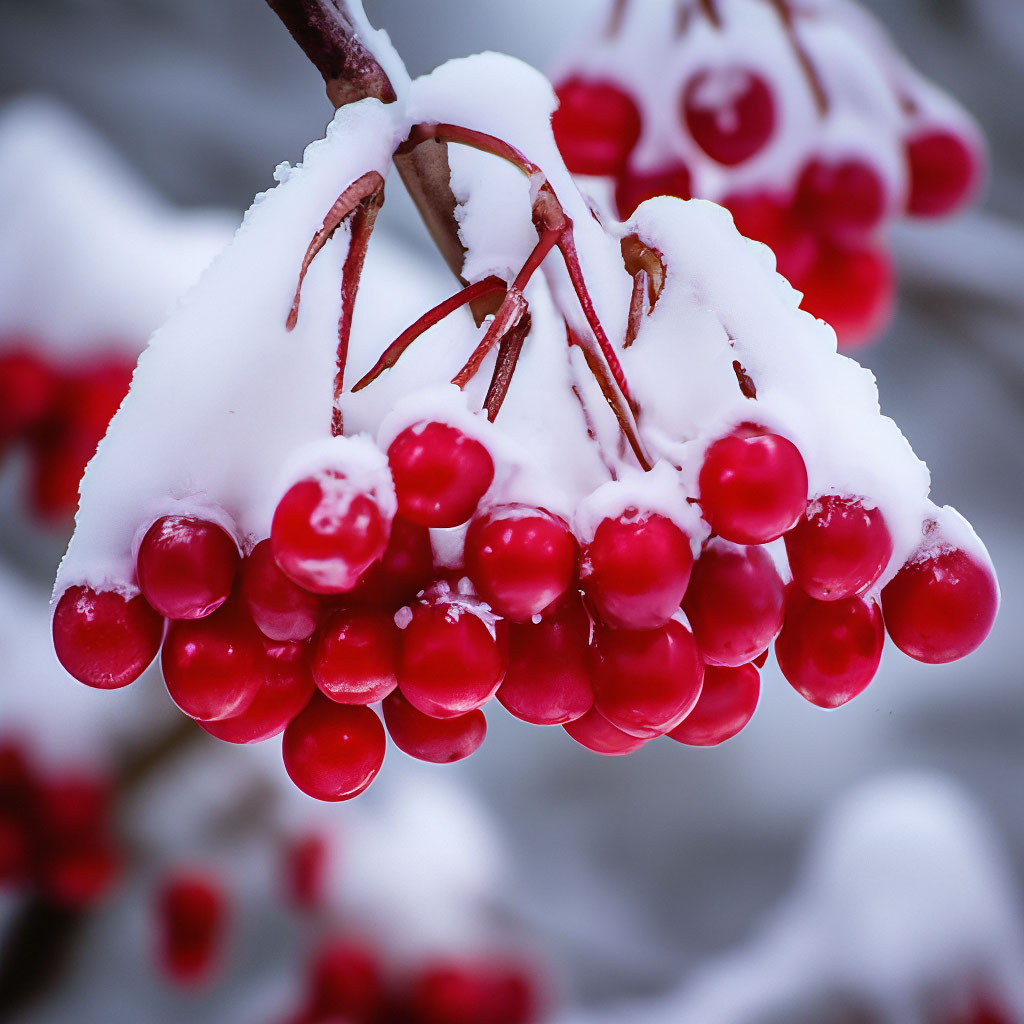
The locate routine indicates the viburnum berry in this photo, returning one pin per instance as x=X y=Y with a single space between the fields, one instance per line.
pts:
x=305 y=866
x=839 y=548
x=280 y=608
x=346 y=983
x=214 y=667
x=734 y=602
x=440 y=474
x=770 y=218
x=636 y=569
x=27 y=389
x=453 y=992
x=846 y=199
x=596 y=125
x=333 y=751
x=78 y=876
x=940 y=607
x=633 y=187
x=730 y=113
x=829 y=650
x=191 y=912
x=355 y=656
x=548 y=677
x=646 y=681
x=284 y=691
x=440 y=740
x=405 y=568
x=103 y=638
x=596 y=733
x=453 y=654
x=753 y=486
x=520 y=559
x=726 y=704
x=945 y=172
x=326 y=533
x=186 y=566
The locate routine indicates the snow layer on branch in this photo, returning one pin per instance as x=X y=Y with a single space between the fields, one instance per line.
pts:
x=90 y=257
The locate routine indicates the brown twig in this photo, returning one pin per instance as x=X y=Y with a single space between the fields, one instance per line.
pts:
x=505 y=366
x=785 y=13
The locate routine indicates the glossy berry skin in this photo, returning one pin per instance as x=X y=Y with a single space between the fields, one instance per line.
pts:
x=942 y=607
x=633 y=187
x=596 y=126
x=596 y=733
x=453 y=992
x=191 y=919
x=829 y=650
x=440 y=474
x=646 y=681
x=753 y=487
x=325 y=534
x=945 y=173
x=213 y=667
x=636 y=569
x=186 y=566
x=405 y=568
x=730 y=112
x=548 y=676
x=280 y=608
x=520 y=559
x=284 y=691
x=333 y=751
x=838 y=548
x=355 y=656
x=439 y=740
x=734 y=602
x=453 y=657
x=103 y=638
x=727 y=702
x=846 y=199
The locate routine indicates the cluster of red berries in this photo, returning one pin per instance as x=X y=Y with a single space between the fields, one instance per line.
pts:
x=821 y=205
x=347 y=981
x=56 y=835
x=621 y=638
x=59 y=414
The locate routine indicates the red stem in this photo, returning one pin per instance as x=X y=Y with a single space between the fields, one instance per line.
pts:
x=433 y=316
x=468 y=137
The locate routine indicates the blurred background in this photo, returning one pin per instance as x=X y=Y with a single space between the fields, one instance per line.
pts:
x=653 y=887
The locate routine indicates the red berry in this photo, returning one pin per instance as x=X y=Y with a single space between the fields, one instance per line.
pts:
x=839 y=548
x=325 y=533
x=27 y=388
x=734 y=602
x=346 y=983
x=440 y=474
x=285 y=690
x=845 y=199
x=186 y=566
x=646 y=681
x=453 y=655
x=440 y=740
x=405 y=568
x=355 y=656
x=945 y=172
x=829 y=650
x=214 y=667
x=15 y=850
x=753 y=488
x=281 y=609
x=548 y=677
x=634 y=187
x=852 y=289
x=305 y=870
x=730 y=113
x=596 y=733
x=103 y=638
x=596 y=126
x=727 y=702
x=69 y=807
x=80 y=875
x=520 y=559
x=941 y=607
x=333 y=751
x=191 y=920
x=636 y=569
x=769 y=218
x=450 y=992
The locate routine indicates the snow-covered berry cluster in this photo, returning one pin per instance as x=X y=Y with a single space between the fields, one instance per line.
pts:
x=799 y=116
x=593 y=519
x=56 y=831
